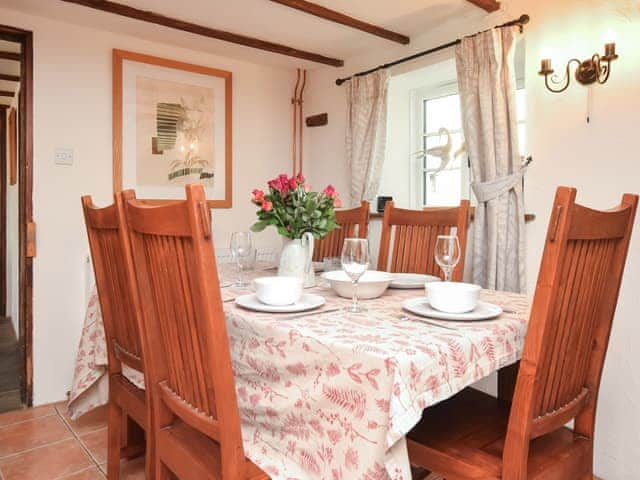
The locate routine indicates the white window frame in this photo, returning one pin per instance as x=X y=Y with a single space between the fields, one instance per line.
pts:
x=416 y=170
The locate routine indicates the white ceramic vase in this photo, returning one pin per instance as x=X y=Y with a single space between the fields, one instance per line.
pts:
x=295 y=259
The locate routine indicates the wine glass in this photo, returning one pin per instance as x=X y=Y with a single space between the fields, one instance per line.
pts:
x=447 y=254
x=243 y=253
x=355 y=261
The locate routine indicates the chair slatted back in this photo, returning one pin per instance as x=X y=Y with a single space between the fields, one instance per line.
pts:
x=414 y=234
x=571 y=318
x=354 y=223
x=110 y=253
x=188 y=348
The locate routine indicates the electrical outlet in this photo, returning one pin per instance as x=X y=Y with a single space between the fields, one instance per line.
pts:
x=64 y=156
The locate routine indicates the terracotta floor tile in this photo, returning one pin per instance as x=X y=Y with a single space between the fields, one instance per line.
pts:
x=89 y=422
x=22 y=436
x=90 y=474
x=26 y=414
x=96 y=443
x=46 y=463
x=129 y=469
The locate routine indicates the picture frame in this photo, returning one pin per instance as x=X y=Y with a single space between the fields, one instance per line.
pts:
x=172 y=125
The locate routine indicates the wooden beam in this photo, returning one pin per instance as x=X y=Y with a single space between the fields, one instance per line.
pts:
x=158 y=19
x=7 y=93
x=10 y=56
x=9 y=78
x=337 y=17
x=488 y=5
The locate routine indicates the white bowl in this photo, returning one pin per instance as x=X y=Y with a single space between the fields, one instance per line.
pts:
x=278 y=291
x=372 y=283
x=452 y=297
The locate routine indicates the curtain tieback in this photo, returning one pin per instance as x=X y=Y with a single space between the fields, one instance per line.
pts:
x=486 y=191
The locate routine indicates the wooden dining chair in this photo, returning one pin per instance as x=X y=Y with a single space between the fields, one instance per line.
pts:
x=353 y=222
x=110 y=253
x=195 y=417
x=475 y=436
x=414 y=234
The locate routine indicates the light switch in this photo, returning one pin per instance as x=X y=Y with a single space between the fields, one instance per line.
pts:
x=64 y=156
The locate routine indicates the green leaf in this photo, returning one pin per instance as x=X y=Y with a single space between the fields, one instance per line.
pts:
x=259 y=226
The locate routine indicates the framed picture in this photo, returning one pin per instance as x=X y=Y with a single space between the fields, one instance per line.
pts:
x=171 y=127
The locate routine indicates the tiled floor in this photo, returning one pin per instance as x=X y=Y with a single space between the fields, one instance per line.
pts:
x=43 y=443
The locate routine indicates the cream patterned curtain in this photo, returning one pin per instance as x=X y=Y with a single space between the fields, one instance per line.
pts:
x=486 y=80
x=366 y=133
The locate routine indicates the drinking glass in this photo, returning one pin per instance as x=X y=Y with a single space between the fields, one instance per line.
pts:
x=355 y=261
x=447 y=254
x=244 y=255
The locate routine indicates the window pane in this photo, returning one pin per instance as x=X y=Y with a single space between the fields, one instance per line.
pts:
x=444 y=189
x=443 y=112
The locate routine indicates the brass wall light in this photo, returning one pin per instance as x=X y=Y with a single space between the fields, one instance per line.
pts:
x=593 y=70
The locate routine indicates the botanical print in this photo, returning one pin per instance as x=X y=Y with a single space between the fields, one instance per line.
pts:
x=174 y=133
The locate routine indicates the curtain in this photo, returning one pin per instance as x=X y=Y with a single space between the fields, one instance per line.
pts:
x=366 y=133
x=486 y=80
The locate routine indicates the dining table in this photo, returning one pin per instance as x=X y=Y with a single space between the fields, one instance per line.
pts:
x=331 y=394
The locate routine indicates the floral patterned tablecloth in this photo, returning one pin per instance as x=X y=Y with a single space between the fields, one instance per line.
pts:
x=331 y=395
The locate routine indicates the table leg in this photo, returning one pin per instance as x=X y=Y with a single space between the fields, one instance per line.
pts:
x=507 y=377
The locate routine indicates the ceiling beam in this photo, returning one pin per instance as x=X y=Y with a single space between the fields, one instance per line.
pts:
x=10 y=56
x=158 y=19
x=9 y=78
x=337 y=17
x=488 y=5
x=7 y=93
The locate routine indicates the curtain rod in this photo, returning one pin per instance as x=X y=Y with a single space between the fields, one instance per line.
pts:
x=523 y=20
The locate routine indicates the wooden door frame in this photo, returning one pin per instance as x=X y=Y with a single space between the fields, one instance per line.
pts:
x=4 y=153
x=26 y=250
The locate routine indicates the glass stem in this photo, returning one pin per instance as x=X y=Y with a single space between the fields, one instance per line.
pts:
x=240 y=279
x=447 y=274
x=354 y=300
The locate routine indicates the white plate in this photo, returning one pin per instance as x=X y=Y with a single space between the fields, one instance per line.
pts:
x=308 y=301
x=411 y=280
x=421 y=307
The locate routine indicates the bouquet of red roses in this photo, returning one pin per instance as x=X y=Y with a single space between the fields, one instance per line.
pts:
x=291 y=207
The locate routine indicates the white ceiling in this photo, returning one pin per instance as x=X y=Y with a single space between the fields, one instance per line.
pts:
x=8 y=67
x=267 y=20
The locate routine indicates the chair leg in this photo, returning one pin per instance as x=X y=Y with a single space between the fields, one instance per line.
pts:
x=150 y=459
x=114 y=440
x=162 y=472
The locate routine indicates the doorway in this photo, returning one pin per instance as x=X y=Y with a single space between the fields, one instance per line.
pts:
x=17 y=235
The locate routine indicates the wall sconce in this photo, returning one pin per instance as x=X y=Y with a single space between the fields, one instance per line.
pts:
x=595 y=69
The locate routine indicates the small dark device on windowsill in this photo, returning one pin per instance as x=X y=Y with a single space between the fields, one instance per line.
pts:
x=381 y=203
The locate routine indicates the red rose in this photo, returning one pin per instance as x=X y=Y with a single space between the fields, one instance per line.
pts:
x=267 y=206
x=292 y=183
x=300 y=178
x=330 y=191
x=258 y=195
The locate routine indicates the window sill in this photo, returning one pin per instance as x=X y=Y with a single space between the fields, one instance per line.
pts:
x=528 y=217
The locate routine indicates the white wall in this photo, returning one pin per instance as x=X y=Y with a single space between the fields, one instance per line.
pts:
x=599 y=158
x=72 y=108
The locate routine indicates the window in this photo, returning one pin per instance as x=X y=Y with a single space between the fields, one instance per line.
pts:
x=443 y=174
